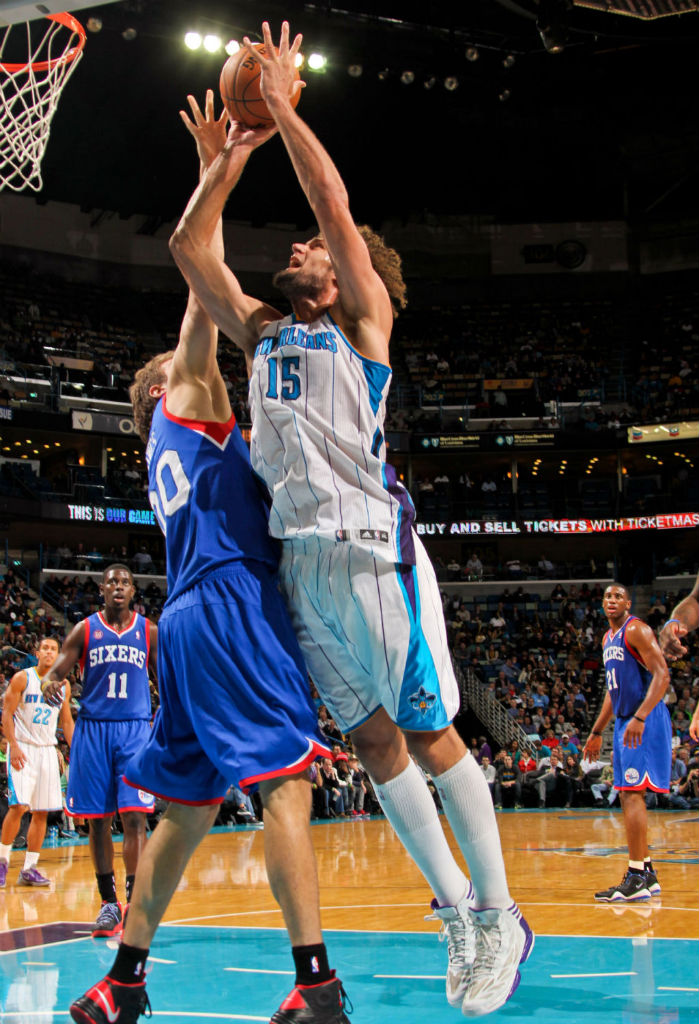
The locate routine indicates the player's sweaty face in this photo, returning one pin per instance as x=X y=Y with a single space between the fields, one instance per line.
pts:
x=615 y=600
x=118 y=586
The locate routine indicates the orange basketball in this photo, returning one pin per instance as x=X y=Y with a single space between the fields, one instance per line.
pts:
x=240 y=89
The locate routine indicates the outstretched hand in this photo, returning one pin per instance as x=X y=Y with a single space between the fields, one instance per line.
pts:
x=53 y=692
x=279 y=76
x=670 y=642
x=208 y=131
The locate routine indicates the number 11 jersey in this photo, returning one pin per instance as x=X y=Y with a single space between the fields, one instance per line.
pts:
x=114 y=669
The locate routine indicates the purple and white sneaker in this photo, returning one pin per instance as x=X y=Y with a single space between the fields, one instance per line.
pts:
x=504 y=940
x=460 y=933
x=32 y=877
x=3 y=873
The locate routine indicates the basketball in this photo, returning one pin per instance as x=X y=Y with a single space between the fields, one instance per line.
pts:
x=240 y=90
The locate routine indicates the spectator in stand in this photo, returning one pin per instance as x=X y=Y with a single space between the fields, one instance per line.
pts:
x=490 y=776
x=484 y=749
x=572 y=779
x=545 y=566
x=686 y=795
x=474 y=566
x=508 y=785
x=329 y=781
x=360 y=784
x=142 y=561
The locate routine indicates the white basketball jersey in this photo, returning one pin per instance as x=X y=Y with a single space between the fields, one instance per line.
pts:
x=318 y=410
x=35 y=720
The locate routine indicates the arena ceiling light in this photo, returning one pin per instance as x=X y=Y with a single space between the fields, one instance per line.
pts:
x=355 y=70
x=192 y=40
x=232 y=46
x=212 y=43
x=317 y=62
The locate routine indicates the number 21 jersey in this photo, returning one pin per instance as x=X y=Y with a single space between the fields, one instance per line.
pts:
x=626 y=675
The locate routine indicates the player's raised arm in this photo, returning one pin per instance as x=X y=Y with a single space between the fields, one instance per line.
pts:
x=13 y=695
x=362 y=295
x=641 y=637
x=684 y=618
x=238 y=315
x=65 y=718
x=68 y=657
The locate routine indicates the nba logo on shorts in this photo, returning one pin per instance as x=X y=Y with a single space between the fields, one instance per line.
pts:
x=144 y=797
x=631 y=776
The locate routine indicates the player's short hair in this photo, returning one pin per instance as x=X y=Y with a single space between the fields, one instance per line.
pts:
x=113 y=567
x=388 y=265
x=54 y=639
x=622 y=586
x=142 y=401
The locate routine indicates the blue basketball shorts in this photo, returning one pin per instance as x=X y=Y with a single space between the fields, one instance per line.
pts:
x=647 y=766
x=372 y=633
x=235 y=703
x=100 y=753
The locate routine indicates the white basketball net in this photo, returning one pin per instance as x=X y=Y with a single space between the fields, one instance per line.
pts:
x=29 y=94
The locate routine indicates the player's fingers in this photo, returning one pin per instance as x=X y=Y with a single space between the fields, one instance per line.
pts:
x=296 y=45
x=187 y=123
x=209 y=105
x=196 y=112
x=267 y=37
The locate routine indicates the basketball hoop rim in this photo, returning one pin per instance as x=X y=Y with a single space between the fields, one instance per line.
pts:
x=68 y=21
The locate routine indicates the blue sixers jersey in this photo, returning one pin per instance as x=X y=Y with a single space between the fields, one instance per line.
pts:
x=114 y=667
x=627 y=677
x=208 y=501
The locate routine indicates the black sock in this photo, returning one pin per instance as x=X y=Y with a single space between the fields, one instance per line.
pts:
x=129 y=887
x=647 y=864
x=130 y=965
x=107 y=887
x=311 y=964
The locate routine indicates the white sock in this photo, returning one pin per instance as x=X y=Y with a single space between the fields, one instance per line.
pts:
x=408 y=805
x=469 y=809
x=30 y=859
x=5 y=851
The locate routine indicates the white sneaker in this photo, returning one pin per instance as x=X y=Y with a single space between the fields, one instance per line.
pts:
x=504 y=940
x=460 y=933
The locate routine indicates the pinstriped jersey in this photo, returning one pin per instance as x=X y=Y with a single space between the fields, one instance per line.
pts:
x=318 y=410
x=627 y=677
x=114 y=669
x=35 y=720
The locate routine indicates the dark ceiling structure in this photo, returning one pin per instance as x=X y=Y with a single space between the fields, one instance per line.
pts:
x=605 y=128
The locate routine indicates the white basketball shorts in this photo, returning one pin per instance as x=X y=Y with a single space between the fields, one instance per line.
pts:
x=38 y=784
x=372 y=633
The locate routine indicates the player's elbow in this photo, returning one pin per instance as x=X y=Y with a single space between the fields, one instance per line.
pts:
x=182 y=246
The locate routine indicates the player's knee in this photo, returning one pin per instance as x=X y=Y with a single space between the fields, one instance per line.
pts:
x=133 y=823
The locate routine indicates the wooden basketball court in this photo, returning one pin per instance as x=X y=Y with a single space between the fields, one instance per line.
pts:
x=222 y=955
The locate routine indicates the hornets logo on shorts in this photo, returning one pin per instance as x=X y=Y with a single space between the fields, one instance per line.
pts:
x=422 y=701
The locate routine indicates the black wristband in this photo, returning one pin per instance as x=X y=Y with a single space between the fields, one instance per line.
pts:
x=639 y=719
x=593 y=733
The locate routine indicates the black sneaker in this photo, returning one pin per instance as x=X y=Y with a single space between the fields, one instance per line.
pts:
x=652 y=882
x=109 y=1001
x=314 y=1004
x=633 y=886
x=109 y=921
